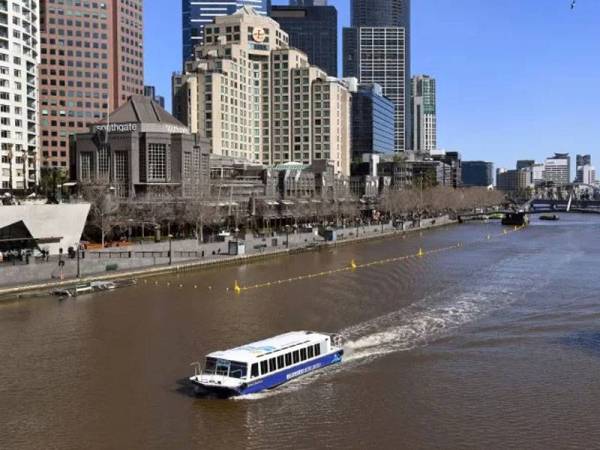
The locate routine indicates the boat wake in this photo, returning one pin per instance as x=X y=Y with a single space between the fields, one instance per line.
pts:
x=434 y=317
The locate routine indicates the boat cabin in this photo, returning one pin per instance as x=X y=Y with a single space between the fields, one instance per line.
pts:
x=271 y=355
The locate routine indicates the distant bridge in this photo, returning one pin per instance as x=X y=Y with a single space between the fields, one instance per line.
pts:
x=537 y=206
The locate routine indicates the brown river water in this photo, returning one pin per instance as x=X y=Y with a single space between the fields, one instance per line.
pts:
x=495 y=345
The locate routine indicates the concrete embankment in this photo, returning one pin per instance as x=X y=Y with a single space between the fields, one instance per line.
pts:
x=44 y=287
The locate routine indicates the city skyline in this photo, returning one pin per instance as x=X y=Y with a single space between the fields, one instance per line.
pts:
x=535 y=129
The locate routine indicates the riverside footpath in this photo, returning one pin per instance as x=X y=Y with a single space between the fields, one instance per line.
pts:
x=148 y=259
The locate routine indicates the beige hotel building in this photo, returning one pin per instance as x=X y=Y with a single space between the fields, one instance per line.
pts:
x=256 y=98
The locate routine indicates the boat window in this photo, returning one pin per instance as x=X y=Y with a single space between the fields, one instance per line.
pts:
x=238 y=370
x=288 y=359
x=296 y=356
x=302 y=354
x=223 y=367
x=264 y=367
x=255 y=370
x=280 y=364
x=317 y=349
x=311 y=352
x=272 y=365
x=211 y=366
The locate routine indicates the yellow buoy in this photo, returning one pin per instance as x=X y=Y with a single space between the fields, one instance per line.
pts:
x=237 y=288
x=421 y=253
x=353 y=265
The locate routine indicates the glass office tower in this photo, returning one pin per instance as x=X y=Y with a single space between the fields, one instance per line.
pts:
x=198 y=13
x=372 y=121
x=377 y=50
x=312 y=28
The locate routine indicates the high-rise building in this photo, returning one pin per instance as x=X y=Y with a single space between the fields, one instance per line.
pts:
x=308 y=2
x=92 y=62
x=372 y=120
x=312 y=28
x=19 y=56
x=150 y=92
x=582 y=161
x=586 y=174
x=525 y=163
x=258 y=99
x=537 y=173
x=557 y=169
x=477 y=173
x=512 y=181
x=423 y=107
x=377 y=50
x=197 y=14
x=453 y=161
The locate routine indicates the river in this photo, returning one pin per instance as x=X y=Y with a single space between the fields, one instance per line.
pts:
x=492 y=345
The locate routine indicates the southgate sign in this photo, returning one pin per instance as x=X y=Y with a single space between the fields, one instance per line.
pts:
x=118 y=127
x=142 y=128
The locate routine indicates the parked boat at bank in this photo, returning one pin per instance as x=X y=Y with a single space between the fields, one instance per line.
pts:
x=549 y=217
x=90 y=288
x=266 y=364
x=515 y=218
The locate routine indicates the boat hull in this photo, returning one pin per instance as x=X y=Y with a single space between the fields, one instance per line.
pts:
x=272 y=380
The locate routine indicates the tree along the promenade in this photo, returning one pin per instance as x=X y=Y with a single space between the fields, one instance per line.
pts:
x=104 y=206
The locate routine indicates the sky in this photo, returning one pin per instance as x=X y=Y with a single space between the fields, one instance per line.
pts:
x=516 y=79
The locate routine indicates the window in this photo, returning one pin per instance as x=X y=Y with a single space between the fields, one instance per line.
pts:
x=288 y=359
x=303 y=354
x=317 y=349
x=254 y=372
x=311 y=351
x=211 y=366
x=157 y=162
x=272 y=365
x=264 y=367
x=238 y=369
x=296 y=356
x=86 y=166
x=280 y=364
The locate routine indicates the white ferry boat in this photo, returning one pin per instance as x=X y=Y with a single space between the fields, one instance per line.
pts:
x=266 y=364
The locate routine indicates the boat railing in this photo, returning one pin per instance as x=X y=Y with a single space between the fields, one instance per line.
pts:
x=197 y=368
x=209 y=377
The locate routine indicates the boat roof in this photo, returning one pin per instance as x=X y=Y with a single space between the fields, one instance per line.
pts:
x=256 y=350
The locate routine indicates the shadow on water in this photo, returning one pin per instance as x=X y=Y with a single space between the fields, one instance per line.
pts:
x=587 y=341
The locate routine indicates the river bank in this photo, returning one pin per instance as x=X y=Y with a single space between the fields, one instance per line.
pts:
x=345 y=237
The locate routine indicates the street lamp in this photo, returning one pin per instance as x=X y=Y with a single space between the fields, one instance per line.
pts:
x=78 y=262
x=170 y=249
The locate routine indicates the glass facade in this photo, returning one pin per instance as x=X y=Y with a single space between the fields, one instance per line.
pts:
x=373 y=128
x=312 y=29
x=477 y=173
x=377 y=50
x=424 y=116
x=198 y=13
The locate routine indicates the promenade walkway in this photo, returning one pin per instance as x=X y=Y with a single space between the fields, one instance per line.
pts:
x=95 y=263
